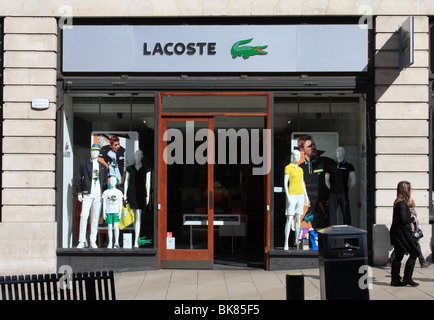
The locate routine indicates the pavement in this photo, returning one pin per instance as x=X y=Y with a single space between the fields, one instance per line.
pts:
x=254 y=284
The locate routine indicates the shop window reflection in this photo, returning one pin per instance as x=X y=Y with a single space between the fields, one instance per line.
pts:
x=91 y=119
x=339 y=118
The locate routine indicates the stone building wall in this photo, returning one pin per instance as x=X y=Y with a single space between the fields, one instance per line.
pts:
x=402 y=127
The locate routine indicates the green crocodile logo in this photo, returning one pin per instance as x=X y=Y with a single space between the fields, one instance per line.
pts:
x=143 y=241
x=246 y=51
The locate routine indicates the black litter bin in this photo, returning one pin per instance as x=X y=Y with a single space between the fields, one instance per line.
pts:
x=342 y=251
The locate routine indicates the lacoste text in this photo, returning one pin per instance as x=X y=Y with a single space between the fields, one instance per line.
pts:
x=170 y=48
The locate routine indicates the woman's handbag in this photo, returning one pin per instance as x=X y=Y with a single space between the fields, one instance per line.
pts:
x=127 y=216
x=417 y=233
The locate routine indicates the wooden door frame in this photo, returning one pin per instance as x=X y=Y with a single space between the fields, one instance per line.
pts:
x=181 y=254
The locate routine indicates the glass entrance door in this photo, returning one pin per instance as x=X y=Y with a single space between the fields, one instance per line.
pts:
x=213 y=195
x=186 y=206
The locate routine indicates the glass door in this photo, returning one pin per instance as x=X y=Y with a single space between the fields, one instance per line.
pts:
x=213 y=194
x=186 y=152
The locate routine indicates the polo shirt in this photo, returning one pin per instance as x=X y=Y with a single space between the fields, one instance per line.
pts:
x=295 y=179
x=339 y=175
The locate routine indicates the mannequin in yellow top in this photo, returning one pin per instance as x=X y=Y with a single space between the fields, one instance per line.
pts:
x=296 y=196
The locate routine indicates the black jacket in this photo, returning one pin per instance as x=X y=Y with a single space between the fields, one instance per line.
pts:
x=84 y=177
x=400 y=231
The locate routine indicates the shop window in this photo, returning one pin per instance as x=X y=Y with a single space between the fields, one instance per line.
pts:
x=336 y=124
x=117 y=126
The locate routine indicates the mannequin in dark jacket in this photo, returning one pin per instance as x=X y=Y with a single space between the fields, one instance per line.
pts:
x=91 y=183
x=136 y=191
x=401 y=238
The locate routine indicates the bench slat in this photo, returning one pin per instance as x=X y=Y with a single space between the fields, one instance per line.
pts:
x=82 y=286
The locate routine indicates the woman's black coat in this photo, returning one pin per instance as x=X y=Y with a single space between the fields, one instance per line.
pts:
x=400 y=231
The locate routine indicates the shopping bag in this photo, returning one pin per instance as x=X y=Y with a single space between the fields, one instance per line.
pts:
x=313 y=240
x=127 y=216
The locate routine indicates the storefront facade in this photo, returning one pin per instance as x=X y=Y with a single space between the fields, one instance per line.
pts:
x=216 y=106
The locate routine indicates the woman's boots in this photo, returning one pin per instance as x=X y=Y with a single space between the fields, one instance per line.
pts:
x=408 y=272
x=396 y=278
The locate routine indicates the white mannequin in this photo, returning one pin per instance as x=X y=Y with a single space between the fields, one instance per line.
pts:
x=340 y=156
x=294 y=202
x=91 y=202
x=114 y=225
x=138 y=156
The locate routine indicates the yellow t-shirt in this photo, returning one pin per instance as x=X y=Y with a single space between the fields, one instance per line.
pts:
x=295 y=179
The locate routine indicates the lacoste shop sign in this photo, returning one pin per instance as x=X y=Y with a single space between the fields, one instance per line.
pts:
x=202 y=48
x=279 y=48
x=180 y=48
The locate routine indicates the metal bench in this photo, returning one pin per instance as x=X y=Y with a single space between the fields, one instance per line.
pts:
x=75 y=286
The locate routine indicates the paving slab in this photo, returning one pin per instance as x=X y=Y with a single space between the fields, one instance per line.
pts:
x=254 y=284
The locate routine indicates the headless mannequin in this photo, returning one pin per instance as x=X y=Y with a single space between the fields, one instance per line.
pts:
x=91 y=173
x=339 y=187
x=113 y=225
x=296 y=196
x=138 y=156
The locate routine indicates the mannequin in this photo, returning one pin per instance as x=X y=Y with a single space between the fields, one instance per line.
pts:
x=112 y=200
x=91 y=182
x=296 y=196
x=340 y=179
x=136 y=190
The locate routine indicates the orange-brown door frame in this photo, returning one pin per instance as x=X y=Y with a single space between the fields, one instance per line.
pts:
x=183 y=254
x=267 y=228
x=163 y=253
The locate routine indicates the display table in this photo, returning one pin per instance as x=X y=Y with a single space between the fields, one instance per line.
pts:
x=226 y=222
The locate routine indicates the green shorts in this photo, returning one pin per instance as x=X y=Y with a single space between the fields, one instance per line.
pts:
x=111 y=218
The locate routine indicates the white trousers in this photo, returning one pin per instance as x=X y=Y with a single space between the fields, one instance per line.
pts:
x=92 y=204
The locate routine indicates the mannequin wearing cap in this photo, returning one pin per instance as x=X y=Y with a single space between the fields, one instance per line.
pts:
x=296 y=196
x=112 y=200
x=91 y=182
x=136 y=190
x=340 y=179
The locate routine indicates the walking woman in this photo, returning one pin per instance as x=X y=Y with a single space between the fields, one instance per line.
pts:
x=401 y=236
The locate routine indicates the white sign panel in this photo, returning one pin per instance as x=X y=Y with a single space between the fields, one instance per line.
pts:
x=406 y=43
x=271 y=48
x=40 y=103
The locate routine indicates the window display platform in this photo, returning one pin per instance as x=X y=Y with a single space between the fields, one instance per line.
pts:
x=88 y=259
x=293 y=259
x=82 y=260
